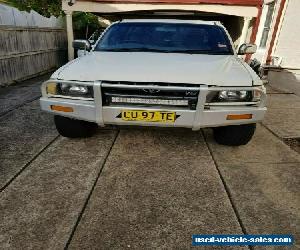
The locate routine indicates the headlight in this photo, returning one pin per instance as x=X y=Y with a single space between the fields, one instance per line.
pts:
x=72 y=90
x=254 y=95
x=68 y=89
x=235 y=96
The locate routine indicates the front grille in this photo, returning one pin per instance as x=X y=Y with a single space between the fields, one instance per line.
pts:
x=150 y=94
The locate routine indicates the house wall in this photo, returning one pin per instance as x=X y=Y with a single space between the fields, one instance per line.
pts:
x=284 y=69
x=288 y=38
x=261 y=53
x=285 y=52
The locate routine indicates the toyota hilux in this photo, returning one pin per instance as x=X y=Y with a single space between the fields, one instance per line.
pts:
x=148 y=72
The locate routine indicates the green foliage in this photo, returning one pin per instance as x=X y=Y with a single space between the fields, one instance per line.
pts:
x=84 y=24
x=81 y=20
x=46 y=8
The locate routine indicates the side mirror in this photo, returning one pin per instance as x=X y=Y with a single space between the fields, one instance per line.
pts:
x=247 y=48
x=81 y=45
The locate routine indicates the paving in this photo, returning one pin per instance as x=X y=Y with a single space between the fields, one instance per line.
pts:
x=283 y=116
x=155 y=193
x=142 y=188
x=16 y=96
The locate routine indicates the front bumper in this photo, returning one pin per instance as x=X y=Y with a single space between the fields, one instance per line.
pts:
x=203 y=116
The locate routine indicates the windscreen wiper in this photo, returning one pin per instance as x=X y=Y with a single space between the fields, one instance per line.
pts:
x=186 y=51
x=194 y=51
x=142 y=49
x=190 y=51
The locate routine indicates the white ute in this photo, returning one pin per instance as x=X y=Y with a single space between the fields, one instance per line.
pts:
x=171 y=73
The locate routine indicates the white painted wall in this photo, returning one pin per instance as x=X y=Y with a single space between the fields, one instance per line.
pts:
x=287 y=46
x=13 y=17
x=262 y=52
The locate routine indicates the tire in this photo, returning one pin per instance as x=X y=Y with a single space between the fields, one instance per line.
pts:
x=72 y=128
x=234 y=135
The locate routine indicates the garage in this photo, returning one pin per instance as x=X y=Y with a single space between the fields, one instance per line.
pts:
x=240 y=17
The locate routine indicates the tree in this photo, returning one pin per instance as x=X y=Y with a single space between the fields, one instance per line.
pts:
x=85 y=24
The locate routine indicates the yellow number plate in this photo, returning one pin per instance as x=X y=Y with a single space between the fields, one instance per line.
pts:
x=148 y=116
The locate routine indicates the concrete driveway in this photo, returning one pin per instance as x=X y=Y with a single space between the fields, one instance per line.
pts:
x=142 y=188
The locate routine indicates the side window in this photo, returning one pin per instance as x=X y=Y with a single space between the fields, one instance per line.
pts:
x=267 y=25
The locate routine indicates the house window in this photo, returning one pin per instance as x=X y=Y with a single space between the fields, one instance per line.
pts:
x=267 y=25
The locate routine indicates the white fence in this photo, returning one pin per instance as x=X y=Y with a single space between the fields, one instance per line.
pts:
x=27 y=52
x=10 y=16
x=30 y=44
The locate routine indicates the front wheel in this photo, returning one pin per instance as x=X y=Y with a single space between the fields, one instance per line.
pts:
x=72 y=128
x=234 y=135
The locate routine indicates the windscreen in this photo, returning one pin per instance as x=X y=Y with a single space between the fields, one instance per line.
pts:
x=165 y=37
